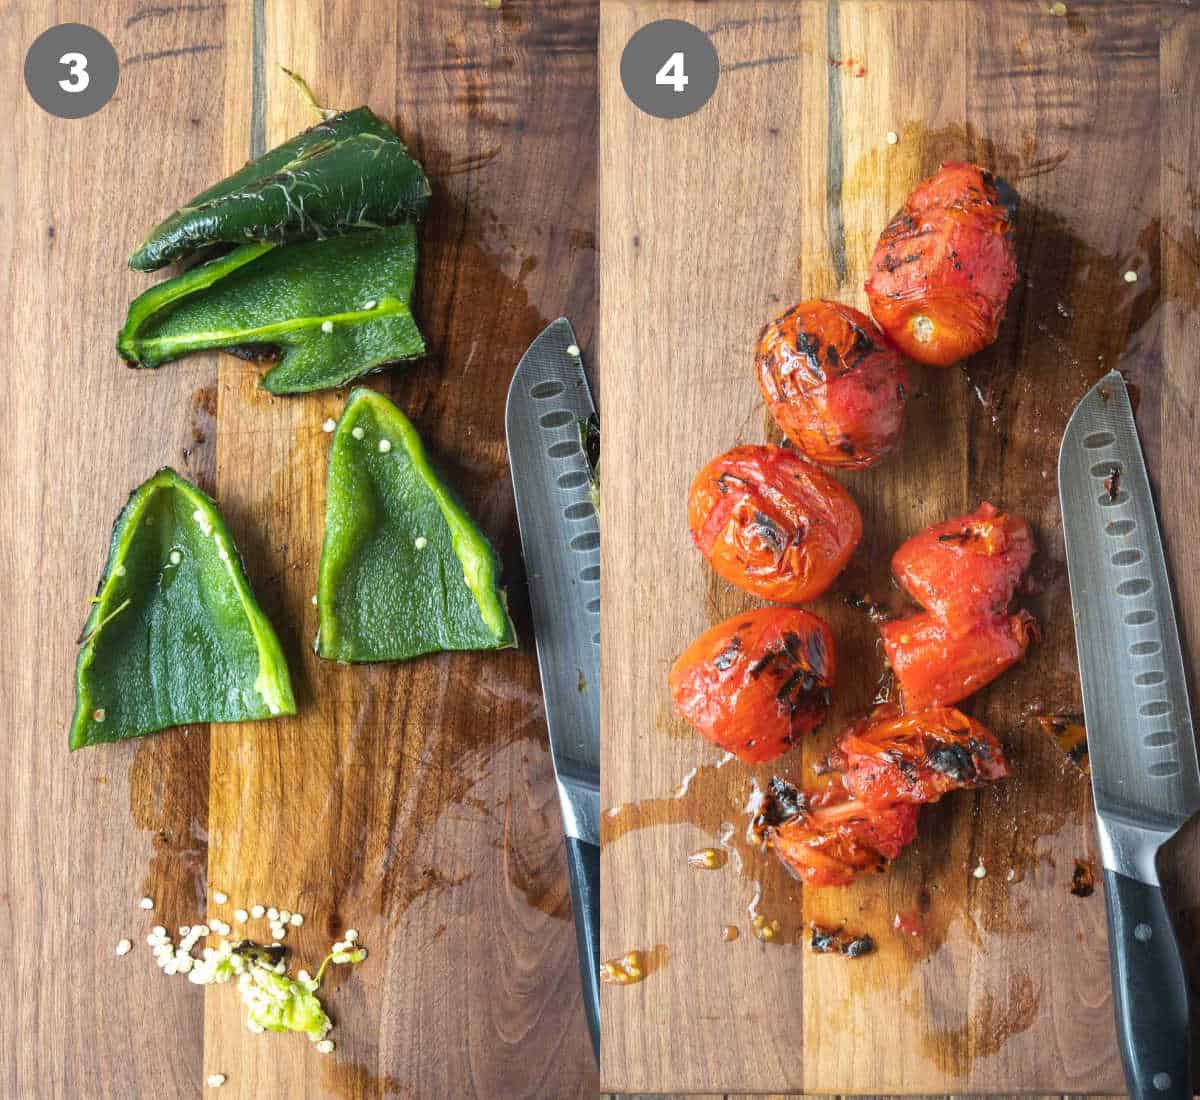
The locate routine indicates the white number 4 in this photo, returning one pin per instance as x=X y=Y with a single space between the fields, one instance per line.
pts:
x=672 y=73
x=77 y=66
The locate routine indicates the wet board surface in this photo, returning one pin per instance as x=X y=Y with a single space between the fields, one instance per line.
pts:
x=413 y=802
x=787 y=178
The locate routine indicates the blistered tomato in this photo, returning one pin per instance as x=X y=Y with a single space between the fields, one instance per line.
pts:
x=935 y=666
x=833 y=839
x=917 y=757
x=755 y=683
x=832 y=382
x=944 y=266
x=772 y=523
x=967 y=568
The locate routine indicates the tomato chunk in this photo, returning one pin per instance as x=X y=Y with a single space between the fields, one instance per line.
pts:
x=833 y=383
x=936 y=667
x=772 y=523
x=966 y=568
x=890 y=757
x=755 y=683
x=944 y=266
x=830 y=839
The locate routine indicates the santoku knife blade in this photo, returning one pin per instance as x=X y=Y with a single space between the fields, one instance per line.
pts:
x=548 y=400
x=1145 y=776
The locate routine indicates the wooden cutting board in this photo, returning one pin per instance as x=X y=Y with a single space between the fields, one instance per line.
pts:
x=710 y=226
x=413 y=802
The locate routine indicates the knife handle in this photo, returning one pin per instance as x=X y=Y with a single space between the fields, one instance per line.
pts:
x=1150 y=991
x=583 y=863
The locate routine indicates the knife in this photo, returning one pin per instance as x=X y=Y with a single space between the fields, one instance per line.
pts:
x=1145 y=777
x=560 y=540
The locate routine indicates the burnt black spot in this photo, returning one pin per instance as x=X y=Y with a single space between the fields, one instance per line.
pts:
x=763 y=663
x=728 y=655
x=769 y=531
x=859 y=945
x=1083 y=879
x=809 y=346
x=953 y=761
x=824 y=940
x=1006 y=196
x=784 y=802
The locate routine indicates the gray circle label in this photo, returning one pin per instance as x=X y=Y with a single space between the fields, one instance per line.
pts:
x=670 y=68
x=71 y=70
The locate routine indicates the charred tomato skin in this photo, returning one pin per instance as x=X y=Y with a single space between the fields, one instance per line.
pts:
x=836 y=839
x=772 y=524
x=833 y=383
x=937 y=667
x=892 y=757
x=944 y=266
x=755 y=683
x=967 y=568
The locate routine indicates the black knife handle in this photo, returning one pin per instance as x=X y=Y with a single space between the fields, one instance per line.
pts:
x=1150 y=991
x=583 y=863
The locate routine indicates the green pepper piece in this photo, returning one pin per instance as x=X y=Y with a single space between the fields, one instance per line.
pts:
x=336 y=309
x=404 y=569
x=351 y=171
x=174 y=635
x=589 y=441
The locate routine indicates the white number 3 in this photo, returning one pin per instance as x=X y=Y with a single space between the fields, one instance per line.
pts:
x=672 y=73
x=77 y=66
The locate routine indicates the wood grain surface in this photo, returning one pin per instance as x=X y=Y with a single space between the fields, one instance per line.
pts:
x=413 y=802
x=711 y=225
x=781 y=1096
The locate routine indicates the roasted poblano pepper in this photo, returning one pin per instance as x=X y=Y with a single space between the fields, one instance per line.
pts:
x=174 y=635
x=349 y=172
x=335 y=309
x=404 y=569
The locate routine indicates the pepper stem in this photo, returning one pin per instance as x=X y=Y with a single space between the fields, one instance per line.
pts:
x=306 y=93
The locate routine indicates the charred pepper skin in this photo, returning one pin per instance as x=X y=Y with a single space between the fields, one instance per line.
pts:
x=350 y=172
x=834 y=385
x=175 y=635
x=942 y=272
x=772 y=524
x=404 y=569
x=757 y=682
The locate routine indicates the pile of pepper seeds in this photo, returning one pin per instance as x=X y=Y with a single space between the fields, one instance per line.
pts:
x=219 y=962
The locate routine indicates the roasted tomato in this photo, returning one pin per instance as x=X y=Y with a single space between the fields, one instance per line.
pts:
x=936 y=666
x=919 y=757
x=771 y=523
x=968 y=568
x=944 y=266
x=756 y=682
x=834 y=385
x=829 y=838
